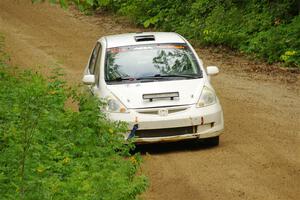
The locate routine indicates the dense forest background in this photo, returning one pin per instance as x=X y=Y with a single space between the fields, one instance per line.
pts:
x=265 y=29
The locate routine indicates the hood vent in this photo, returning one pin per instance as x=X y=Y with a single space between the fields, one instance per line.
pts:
x=169 y=95
x=144 y=38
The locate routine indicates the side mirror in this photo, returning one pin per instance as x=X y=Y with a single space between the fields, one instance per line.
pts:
x=88 y=79
x=212 y=70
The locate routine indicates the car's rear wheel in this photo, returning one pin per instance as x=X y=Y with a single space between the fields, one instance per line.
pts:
x=213 y=141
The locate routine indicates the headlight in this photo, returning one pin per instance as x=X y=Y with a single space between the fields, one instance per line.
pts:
x=207 y=97
x=114 y=105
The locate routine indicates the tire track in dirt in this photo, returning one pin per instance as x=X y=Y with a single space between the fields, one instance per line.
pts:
x=259 y=154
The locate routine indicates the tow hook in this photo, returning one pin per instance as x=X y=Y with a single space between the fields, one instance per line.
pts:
x=132 y=132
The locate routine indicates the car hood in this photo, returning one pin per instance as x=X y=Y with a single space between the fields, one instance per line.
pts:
x=131 y=95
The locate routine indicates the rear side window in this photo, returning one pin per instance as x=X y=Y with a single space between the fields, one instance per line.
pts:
x=93 y=59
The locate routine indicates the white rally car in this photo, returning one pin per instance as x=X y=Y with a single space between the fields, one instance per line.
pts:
x=156 y=83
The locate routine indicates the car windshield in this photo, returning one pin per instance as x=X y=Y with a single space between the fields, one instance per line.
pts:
x=156 y=62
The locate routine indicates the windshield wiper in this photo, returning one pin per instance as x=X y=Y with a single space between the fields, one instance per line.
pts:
x=178 y=75
x=149 y=77
x=118 y=79
x=154 y=77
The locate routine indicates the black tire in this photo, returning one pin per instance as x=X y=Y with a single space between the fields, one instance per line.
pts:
x=213 y=141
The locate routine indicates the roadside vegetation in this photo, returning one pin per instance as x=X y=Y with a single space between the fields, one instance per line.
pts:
x=265 y=29
x=48 y=151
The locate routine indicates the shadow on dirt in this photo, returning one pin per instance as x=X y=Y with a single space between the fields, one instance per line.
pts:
x=161 y=148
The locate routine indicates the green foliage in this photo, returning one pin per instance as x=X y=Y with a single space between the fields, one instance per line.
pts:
x=48 y=151
x=278 y=43
x=263 y=28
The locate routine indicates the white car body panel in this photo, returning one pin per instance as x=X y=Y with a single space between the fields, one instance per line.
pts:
x=128 y=39
x=131 y=95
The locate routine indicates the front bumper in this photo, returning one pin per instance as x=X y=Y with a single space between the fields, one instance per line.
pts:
x=207 y=120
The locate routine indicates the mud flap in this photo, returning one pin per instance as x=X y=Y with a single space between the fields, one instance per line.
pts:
x=132 y=132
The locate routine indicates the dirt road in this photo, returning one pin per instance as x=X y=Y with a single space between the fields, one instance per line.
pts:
x=259 y=153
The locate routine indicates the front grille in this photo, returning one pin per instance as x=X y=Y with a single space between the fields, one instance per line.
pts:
x=155 y=111
x=165 y=132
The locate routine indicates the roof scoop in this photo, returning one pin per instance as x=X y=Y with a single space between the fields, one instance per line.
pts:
x=144 y=38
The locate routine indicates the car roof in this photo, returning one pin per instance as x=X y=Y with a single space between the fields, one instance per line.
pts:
x=128 y=39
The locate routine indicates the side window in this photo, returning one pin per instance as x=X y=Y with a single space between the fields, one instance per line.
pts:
x=93 y=59
x=97 y=68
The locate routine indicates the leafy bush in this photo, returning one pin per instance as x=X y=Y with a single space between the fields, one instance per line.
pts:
x=48 y=151
x=278 y=43
x=266 y=29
